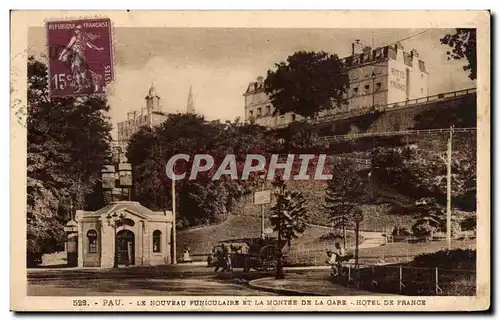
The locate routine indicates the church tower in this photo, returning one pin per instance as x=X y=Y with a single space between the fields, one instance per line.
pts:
x=152 y=100
x=190 y=103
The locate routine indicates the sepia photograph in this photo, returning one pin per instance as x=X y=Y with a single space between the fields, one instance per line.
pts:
x=172 y=166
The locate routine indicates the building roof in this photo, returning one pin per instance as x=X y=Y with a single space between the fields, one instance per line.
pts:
x=369 y=56
x=122 y=205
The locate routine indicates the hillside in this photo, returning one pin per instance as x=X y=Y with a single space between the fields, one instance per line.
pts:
x=201 y=240
x=387 y=210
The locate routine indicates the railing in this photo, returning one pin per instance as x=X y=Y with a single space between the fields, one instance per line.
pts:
x=411 y=280
x=424 y=100
x=398 y=105
x=401 y=133
x=360 y=161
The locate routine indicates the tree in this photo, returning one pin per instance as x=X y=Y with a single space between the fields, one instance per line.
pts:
x=345 y=192
x=463 y=44
x=289 y=217
x=199 y=200
x=307 y=83
x=302 y=138
x=421 y=173
x=68 y=142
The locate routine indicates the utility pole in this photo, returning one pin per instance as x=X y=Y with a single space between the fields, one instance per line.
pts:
x=262 y=223
x=262 y=179
x=373 y=88
x=448 y=190
x=174 y=228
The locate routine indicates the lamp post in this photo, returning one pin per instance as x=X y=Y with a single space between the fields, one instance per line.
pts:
x=358 y=217
x=114 y=221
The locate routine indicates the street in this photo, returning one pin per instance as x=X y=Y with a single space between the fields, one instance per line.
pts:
x=139 y=287
x=192 y=279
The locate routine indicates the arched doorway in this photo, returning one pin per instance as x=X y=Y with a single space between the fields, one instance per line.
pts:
x=125 y=247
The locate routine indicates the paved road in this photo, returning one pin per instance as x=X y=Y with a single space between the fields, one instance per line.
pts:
x=165 y=280
x=138 y=287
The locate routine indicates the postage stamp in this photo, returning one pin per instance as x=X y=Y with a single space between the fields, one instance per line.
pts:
x=250 y=161
x=80 y=57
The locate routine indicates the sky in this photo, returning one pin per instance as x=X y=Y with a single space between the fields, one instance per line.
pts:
x=219 y=63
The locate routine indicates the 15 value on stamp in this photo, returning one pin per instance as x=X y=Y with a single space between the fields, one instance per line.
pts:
x=80 y=57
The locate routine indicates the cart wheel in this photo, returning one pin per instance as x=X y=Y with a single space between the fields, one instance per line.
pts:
x=268 y=257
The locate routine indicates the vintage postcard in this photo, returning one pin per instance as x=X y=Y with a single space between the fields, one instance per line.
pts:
x=250 y=161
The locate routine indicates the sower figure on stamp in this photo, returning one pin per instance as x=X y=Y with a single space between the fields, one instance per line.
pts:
x=74 y=55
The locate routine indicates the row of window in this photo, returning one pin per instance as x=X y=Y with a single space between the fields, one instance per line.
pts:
x=136 y=120
x=92 y=240
x=378 y=85
x=259 y=112
x=268 y=113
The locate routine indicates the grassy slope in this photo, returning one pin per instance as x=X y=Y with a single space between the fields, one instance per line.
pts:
x=245 y=222
x=389 y=253
x=201 y=240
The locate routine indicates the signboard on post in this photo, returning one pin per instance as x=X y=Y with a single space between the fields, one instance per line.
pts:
x=358 y=216
x=125 y=170
x=262 y=197
x=108 y=177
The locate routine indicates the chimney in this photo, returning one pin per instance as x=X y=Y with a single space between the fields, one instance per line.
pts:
x=355 y=44
x=260 y=80
x=414 y=59
x=399 y=51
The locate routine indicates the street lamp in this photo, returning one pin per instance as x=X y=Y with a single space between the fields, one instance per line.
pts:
x=358 y=217
x=115 y=221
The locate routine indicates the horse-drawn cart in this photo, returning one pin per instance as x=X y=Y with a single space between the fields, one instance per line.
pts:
x=249 y=253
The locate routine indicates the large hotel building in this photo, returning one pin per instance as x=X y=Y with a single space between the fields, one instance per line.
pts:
x=376 y=77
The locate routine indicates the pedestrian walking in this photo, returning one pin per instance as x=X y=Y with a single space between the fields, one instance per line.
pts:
x=186 y=256
x=225 y=258
x=219 y=258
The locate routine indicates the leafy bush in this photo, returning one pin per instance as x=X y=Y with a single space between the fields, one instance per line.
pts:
x=402 y=231
x=453 y=259
x=469 y=223
x=336 y=236
x=423 y=229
